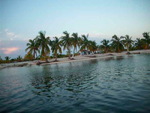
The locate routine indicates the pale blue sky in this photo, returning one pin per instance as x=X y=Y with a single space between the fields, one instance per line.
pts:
x=21 y=20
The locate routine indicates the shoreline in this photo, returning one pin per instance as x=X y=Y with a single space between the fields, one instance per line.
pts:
x=76 y=59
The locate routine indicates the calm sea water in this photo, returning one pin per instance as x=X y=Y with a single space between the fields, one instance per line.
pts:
x=117 y=85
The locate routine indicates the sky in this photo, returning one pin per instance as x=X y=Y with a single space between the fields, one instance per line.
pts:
x=21 y=20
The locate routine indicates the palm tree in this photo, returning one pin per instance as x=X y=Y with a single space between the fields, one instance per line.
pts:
x=105 y=45
x=139 y=43
x=1 y=58
x=127 y=41
x=66 y=41
x=116 y=43
x=55 y=45
x=84 y=42
x=75 y=41
x=32 y=47
x=92 y=46
x=19 y=58
x=146 y=39
x=44 y=43
x=7 y=58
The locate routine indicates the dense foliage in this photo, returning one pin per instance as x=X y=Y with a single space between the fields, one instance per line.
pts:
x=41 y=46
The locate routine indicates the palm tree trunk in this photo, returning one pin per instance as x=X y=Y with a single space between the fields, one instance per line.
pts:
x=69 y=54
x=74 y=52
x=34 y=54
x=55 y=56
x=127 y=48
x=46 y=59
x=92 y=53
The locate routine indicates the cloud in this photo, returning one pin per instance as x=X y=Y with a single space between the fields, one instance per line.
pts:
x=10 y=34
x=8 y=51
x=6 y=30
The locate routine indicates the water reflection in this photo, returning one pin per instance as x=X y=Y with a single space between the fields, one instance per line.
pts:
x=61 y=78
x=120 y=85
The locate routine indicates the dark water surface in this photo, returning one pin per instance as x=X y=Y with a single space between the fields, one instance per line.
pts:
x=117 y=85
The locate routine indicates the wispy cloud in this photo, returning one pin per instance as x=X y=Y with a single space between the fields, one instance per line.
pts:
x=10 y=34
x=6 y=30
x=8 y=51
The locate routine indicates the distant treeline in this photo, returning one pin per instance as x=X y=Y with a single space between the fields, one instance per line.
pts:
x=41 y=45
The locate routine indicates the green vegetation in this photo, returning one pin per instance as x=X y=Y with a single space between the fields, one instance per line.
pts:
x=105 y=45
x=44 y=43
x=41 y=46
x=66 y=42
x=33 y=47
x=127 y=42
x=55 y=45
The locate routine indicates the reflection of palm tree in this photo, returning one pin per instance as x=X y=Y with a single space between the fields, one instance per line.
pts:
x=146 y=39
x=44 y=43
x=116 y=43
x=105 y=45
x=127 y=41
x=32 y=47
x=66 y=41
x=55 y=45
x=75 y=41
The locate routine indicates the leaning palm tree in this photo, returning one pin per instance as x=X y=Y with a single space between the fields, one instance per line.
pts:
x=116 y=43
x=127 y=41
x=66 y=42
x=84 y=42
x=44 y=43
x=105 y=45
x=75 y=41
x=55 y=45
x=33 y=47
x=146 y=39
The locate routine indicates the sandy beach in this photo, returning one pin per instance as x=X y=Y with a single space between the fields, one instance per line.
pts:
x=76 y=59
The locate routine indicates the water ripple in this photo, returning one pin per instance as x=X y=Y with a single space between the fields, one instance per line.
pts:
x=114 y=85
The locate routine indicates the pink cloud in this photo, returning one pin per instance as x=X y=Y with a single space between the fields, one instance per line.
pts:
x=9 y=50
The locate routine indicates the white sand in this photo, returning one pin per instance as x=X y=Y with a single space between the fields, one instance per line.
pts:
x=77 y=58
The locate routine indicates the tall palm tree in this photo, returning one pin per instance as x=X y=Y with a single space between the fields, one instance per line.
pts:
x=127 y=41
x=146 y=39
x=32 y=46
x=92 y=46
x=105 y=45
x=116 y=43
x=44 y=43
x=75 y=41
x=66 y=42
x=55 y=45
x=84 y=42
